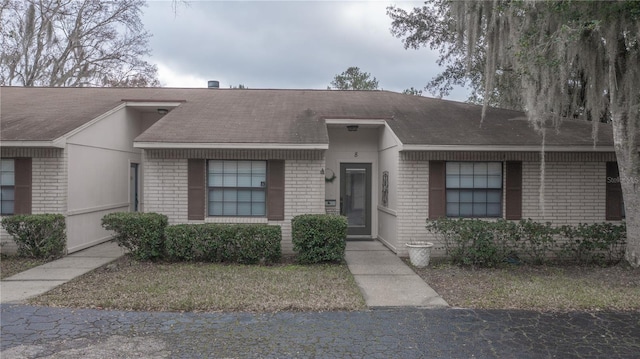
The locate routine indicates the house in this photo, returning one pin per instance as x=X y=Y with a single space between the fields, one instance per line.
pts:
x=385 y=160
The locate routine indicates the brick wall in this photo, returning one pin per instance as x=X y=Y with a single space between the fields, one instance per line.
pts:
x=49 y=183
x=574 y=193
x=165 y=191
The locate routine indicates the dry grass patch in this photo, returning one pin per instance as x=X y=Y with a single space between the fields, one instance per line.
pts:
x=131 y=285
x=545 y=288
x=12 y=265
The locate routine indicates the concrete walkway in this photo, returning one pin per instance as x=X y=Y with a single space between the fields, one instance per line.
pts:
x=42 y=279
x=385 y=280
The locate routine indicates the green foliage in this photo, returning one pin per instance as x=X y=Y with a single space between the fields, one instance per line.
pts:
x=319 y=238
x=354 y=79
x=476 y=242
x=598 y=243
x=141 y=233
x=237 y=243
x=37 y=235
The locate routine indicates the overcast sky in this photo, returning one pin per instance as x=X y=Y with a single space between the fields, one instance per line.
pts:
x=292 y=44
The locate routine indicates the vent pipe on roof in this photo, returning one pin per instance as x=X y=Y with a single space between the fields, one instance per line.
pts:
x=213 y=84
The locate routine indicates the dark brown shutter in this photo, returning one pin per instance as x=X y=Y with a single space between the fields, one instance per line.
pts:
x=513 y=205
x=275 y=190
x=22 y=204
x=196 y=189
x=613 y=209
x=437 y=190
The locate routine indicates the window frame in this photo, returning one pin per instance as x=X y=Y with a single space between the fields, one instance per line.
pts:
x=4 y=187
x=473 y=190
x=263 y=188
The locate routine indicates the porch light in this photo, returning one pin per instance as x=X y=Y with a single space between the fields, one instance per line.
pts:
x=162 y=111
x=352 y=128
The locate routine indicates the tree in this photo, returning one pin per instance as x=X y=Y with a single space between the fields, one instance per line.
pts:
x=74 y=43
x=571 y=58
x=412 y=91
x=433 y=26
x=354 y=79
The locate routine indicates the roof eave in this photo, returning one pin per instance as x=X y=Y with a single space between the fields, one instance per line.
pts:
x=230 y=146
x=57 y=143
x=507 y=148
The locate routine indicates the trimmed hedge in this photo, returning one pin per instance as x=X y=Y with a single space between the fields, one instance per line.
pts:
x=238 y=243
x=490 y=243
x=319 y=237
x=37 y=235
x=141 y=233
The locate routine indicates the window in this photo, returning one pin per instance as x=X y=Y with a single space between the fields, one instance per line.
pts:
x=237 y=188
x=7 y=186
x=474 y=189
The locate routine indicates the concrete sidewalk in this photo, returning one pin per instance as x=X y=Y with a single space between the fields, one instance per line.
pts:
x=385 y=280
x=42 y=279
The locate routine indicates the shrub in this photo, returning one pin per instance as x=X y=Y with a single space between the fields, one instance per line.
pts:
x=37 y=235
x=536 y=240
x=319 y=237
x=141 y=233
x=598 y=243
x=238 y=243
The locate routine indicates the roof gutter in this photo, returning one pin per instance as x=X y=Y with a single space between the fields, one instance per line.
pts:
x=57 y=143
x=230 y=146
x=509 y=148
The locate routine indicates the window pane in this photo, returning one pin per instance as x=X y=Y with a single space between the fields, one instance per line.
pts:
x=480 y=181
x=230 y=209
x=215 y=180
x=230 y=180
x=494 y=210
x=494 y=196
x=466 y=181
x=453 y=181
x=258 y=196
x=480 y=168
x=244 y=180
x=7 y=165
x=230 y=195
x=215 y=208
x=453 y=196
x=466 y=209
x=215 y=167
x=479 y=209
x=466 y=196
x=479 y=196
x=258 y=180
x=244 y=167
x=466 y=168
x=258 y=209
x=230 y=167
x=6 y=194
x=453 y=168
x=494 y=168
x=244 y=209
x=244 y=196
x=6 y=207
x=259 y=167
x=7 y=179
x=494 y=182
x=215 y=195
x=453 y=210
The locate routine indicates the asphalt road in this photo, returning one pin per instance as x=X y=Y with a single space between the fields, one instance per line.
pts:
x=42 y=332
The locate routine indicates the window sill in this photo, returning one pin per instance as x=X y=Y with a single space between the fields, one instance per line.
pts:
x=250 y=220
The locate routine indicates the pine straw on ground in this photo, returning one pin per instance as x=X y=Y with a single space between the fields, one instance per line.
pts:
x=130 y=285
x=543 y=288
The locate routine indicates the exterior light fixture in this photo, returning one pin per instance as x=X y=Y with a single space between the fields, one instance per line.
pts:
x=163 y=111
x=352 y=128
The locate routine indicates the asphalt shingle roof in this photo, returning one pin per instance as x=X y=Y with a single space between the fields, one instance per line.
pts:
x=277 y=116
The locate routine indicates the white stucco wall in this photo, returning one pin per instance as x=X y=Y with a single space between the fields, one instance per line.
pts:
x=354 y=147
x=388 y=215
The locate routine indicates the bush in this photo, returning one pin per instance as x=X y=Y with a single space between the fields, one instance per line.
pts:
x=141 y=233
x=489 y=243
x=37 y=235
x=238 y=243
x=319 y=237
